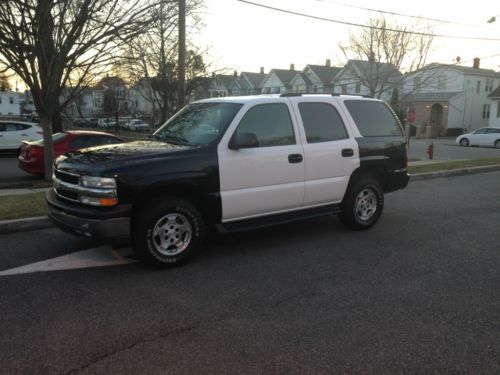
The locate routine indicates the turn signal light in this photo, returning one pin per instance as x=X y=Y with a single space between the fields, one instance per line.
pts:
x=107 y=202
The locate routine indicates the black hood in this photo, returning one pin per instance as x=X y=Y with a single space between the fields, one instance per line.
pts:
x=109 y=155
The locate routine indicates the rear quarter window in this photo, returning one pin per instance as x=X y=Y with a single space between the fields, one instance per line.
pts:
x=373 y=119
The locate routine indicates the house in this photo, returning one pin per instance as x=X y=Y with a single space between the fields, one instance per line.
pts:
x=278 y=81
x=371 y=78
x=10 y=103
x=223 y=85
x=450 y=99
x=316 y=79
x=494 y=109
x=250 y=82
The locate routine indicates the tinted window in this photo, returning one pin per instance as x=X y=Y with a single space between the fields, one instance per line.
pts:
x=271 y=123
x=108 y=140
x=83 y=142
x=374 y=119
x=55 y=138
x=481 y=131
x=322 y=122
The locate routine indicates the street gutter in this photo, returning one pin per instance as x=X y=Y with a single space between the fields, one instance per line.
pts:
x=42 y=222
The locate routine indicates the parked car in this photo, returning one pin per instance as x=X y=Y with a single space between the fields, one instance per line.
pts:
x=489 y=137
x=138 y=125
x=106 y=123
x=232 y=164
x=31 y=156
x=13 y=133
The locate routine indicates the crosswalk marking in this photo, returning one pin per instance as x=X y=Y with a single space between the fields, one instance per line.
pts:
x=102 y=256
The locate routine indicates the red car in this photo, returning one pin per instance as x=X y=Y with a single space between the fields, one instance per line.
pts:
x=31 y=156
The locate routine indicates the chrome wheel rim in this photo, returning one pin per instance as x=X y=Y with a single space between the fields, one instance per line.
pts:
x=366 y=204
x=172 y=234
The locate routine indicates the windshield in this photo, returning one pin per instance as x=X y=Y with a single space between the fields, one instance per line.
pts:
x=198 y=123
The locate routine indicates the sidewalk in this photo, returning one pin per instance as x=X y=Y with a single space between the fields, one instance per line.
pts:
x=9 y=226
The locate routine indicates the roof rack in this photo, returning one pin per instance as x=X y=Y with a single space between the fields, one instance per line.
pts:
x=290 y=94
x=362 y=96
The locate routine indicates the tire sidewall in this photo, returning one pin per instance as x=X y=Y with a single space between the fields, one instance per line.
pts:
x=143 y=239
x=464 y=142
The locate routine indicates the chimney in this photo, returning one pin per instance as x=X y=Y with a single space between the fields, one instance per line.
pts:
x=292 y=66
x=213 y=74
x=235 y=74
x=328 y=63
x=261 y=70
x=477 y=61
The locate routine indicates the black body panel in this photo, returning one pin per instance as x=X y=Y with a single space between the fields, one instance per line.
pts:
x=388 y=157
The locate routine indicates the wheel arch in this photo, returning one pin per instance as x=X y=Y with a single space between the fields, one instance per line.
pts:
x=376 y=172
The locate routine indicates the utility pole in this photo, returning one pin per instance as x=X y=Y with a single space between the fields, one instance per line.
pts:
x=181 y=92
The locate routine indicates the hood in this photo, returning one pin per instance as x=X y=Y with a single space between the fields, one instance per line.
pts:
x=103 y=157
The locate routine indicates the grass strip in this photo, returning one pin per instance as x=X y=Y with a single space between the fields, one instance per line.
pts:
x=23 y=205
x=452 y=165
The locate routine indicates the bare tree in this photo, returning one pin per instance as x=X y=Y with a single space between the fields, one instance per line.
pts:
x=63 y=44
x=150 y=60
x=379 y=54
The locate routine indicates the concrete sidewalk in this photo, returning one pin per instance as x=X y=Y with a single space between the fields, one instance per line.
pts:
x=18 y=225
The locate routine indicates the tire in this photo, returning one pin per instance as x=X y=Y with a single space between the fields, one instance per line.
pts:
x=497 y=143
x=362 y=204
x=167 y=233
x=464 y=142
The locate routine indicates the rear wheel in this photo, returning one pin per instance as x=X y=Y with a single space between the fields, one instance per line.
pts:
x=464 y=142
x=362 y=204
x=167 y=233
x=497 y=143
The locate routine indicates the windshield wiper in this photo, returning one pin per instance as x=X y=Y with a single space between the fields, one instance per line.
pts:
x=165 y=134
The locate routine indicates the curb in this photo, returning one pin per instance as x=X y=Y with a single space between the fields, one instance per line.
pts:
x=455 y=172
x=21 y=225
x=42 y=222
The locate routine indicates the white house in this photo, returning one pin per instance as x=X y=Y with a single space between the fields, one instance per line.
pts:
x=278 y=81
x=372 y=78
x=449 y=99
x=10 y=103
x=316 y=79
x=494 y=113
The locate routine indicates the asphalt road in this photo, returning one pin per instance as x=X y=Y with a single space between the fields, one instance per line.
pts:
x=417 y=293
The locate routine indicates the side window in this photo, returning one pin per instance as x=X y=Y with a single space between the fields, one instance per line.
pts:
x=81 y=142
x=481 y=131
x=271 y=123
x=322 y=122
x=373 y=118
x=107 y=141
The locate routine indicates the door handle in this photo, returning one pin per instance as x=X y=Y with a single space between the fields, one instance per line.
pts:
x=347 y=152
x=295 y=158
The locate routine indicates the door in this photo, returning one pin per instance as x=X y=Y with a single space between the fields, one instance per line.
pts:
x=479 y=137
x=330 y=154
x=268 y=176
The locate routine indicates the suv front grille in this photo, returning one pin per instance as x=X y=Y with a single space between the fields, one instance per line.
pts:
x=70 y=178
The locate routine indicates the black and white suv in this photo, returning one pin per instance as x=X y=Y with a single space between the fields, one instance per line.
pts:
x=232 y=164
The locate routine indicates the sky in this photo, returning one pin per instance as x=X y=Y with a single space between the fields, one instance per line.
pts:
x=244 y=37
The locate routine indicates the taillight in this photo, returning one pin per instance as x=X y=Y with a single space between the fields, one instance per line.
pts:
x=34 y=152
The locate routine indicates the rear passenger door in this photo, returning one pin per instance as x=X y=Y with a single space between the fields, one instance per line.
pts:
x=330 y=152
x=267 y=178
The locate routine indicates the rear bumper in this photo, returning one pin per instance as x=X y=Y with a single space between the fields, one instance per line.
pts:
x=397 y=180
x=110 y=223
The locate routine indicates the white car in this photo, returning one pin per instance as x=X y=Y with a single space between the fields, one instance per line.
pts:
x=137 y=125
x=489 y=137
x=13 y=133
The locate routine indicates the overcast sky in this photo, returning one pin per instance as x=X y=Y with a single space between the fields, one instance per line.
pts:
x=245 y=37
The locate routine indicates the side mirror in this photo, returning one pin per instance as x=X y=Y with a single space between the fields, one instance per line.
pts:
x=243 y=140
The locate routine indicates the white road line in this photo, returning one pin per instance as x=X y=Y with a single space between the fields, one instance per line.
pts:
x=102 y=256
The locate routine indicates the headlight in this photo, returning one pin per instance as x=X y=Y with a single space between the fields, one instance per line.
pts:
x=98 y=182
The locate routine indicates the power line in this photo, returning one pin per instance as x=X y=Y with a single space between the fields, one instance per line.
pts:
x=395 y=13
x=365 y=26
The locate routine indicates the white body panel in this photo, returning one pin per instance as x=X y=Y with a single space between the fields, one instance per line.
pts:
x=261 y=181
x=12 y=139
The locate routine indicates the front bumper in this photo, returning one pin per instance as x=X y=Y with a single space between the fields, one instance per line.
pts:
x=103 y=223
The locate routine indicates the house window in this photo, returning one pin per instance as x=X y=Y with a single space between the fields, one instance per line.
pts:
x=478 y=87
x=489 y=85
x=486 y=111
x=11 y=100
x=358 y=87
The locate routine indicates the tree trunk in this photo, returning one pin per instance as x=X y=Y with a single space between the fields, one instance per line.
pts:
x=48 y=146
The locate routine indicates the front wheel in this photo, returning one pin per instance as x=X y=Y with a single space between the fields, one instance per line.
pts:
x=362 y=204
x=464 y=142
x=167 y=233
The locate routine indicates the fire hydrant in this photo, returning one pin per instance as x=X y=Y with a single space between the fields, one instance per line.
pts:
x=430 y=151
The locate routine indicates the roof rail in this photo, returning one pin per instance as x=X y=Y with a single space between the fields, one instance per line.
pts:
x=360 y=95
x=289 y=94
